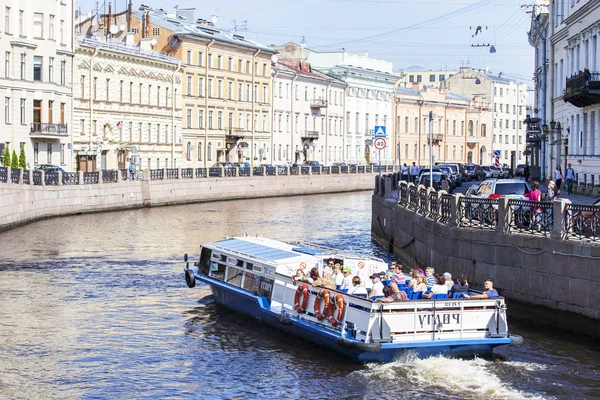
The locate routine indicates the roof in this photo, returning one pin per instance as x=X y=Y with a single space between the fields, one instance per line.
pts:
x=182 y=27
x=304 y=69
x=407 y=92
x=264 y=249
x=363 y=71
x=120 y=48
x=456 y=96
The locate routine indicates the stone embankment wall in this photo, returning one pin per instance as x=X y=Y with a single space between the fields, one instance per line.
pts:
x=547 y=281
x=20 y=204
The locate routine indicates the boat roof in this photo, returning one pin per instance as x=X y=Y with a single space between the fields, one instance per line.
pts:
x=268 y=250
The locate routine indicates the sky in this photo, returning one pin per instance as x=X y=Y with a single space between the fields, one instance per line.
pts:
x=432 y=34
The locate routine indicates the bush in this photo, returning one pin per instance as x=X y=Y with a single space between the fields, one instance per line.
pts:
x=14 y=162
x=6 y=157
x=22 y=159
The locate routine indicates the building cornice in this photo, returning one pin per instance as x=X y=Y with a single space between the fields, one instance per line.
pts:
x=23 y=43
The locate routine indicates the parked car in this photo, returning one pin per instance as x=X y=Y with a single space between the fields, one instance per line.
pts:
x=489 y=172
x=456 y=175
x=503 y=171
x=495 y=188
x=226 y=164
x=451 y=177
x=312 y=164
x=520 y=170
x=472 y=190
x=244 y=164
x=474 y=172
x=587 y=223
x=50 y=168
x=463 y=172
x=440 y=181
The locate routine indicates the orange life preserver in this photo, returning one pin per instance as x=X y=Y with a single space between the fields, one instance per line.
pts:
x=301 y=291
x=323 y=294
x=339 y=304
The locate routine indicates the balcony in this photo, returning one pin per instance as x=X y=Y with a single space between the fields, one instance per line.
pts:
x=318 y=103
x=534 y=125
x=583 y=89
x=46 y=130
x=310 y=135
x=437 y=137
x=233 y=135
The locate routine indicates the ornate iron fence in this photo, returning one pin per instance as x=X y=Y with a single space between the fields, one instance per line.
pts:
x=335 y=170
x=244 y=171
x=422 y=208
x=4 y=174
x=316 y=170
x=70 y=178
x=157 y=174
x=434 y=206
x=187 y=173
x=344 y=169
x=361 y=169
x=478 y=213
x=403 y=195
x=326 y=170
x=172 y=173
x=530 y=216
x=353 y=169
x=26 y=180
x=15 y=175
x=229 y=172
x=214 y=172
x=37 y=177
x=124 y=176
x=582 y=222
x=283 y=170
x=304 y=170
x=201 y=173
x=413 y=198
x=369 y=168
x=91 y=177
x=51 y=178
x=110 y=175
x=257 y=171
x=295 y=170
x=271 y=171
x=445 y=208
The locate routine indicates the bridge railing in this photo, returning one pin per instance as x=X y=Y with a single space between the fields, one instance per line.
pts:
x=559 y=219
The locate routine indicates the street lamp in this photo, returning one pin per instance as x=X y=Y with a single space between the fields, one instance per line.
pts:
x=430 y=149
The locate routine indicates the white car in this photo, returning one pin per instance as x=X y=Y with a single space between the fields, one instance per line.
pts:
x=489 y=172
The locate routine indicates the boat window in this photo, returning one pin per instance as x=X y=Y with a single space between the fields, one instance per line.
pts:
x=256 y=268
x=205 y=260
x=223 y=258
x=216 y=256
x=240 y=263
x=251 y=282
x=266 y=287
x=217 y=270
x=234 y=276
x=249 y=266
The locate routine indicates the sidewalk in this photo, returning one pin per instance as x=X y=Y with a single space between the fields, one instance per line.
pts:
x=575 y=198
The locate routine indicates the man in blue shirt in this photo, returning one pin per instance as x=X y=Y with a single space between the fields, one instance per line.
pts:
x=489 y=292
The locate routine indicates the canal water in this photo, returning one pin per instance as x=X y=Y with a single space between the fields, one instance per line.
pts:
x=95 y=306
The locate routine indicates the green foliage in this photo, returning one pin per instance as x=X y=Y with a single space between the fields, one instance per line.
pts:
x=6 y=157
x=22 y=159
x=14 y=162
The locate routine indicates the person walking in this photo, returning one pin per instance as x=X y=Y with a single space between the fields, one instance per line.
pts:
x=414 y=172
x=570 y=175
x=558 y=178
x=405 y=173
x=131 y=172
x=526 y=172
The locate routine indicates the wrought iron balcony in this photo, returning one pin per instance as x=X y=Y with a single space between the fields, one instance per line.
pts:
x=309 y=135
x=318 y=103
x=534 y=125
x=43 y=129
x=583 y=89
x=437 y=137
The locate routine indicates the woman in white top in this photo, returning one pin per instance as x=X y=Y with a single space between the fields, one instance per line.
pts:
x=356 y=288
x=558 y=179
x=439 y=287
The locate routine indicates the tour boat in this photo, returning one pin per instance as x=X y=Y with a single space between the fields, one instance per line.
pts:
x=253 y=276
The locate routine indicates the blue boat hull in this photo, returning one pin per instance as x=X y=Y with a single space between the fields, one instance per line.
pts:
x=258 y=307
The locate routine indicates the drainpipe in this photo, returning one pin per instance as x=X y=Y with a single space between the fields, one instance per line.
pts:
x=92 y=97
x=206 y=102
x=253 y=104
x=292 y=116
x=345 y=129
x=327 y=123
x=466 y=125
x=173 y=99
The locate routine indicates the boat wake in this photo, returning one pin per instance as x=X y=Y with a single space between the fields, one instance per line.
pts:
x=447 y=378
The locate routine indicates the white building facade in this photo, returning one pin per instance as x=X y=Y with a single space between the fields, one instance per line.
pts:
x=508 y=100
x=127 y=107
x=308 y=115
x=36 y=44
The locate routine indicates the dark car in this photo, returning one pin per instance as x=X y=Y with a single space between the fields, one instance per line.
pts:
x=50 y=168
x=440 y=181
x=475 y=172
x=312 y=164
x=520 y=170
x=244 y=164
x=226 y=164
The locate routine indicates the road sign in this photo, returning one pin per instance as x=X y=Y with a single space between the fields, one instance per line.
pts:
x=497 y=161
x=379 y=131
x=497 y=153
x=379 y=143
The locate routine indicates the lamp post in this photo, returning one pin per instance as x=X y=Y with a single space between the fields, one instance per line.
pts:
x=430 y=149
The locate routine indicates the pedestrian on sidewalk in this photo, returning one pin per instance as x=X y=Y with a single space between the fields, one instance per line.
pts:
x=550 y=191
x=131 y=171
x=526 y=172
x=558 y=178
x=570 y=176
x=405 y=173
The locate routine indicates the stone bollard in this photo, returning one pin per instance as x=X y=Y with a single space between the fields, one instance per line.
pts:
x=80 y=177
x=20 y=175
x=179 y=173
x=504 y=216
x=455 y=215
x=222 y=171
x=264 y=170
x=276 y=170
x=237 y=171
x=387 y=182
x=8 y=175
x=558 y=216
x=147 y=174
x=59 y=180
x=42 y=178
x=119 y=176
x=377 y=185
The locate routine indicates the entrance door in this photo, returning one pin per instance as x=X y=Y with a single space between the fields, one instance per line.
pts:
x=103 y=160
x=122 y=156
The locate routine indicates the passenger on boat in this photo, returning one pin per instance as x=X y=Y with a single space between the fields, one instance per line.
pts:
x=356 y=288
x=347 y=282
x=326 y=280
x=398 y=277
x=439 y=287
x=377 y=287
x=430 y=277
x=449 y=282
x=396 y=295
x=461 y=285
x=338 y=276
x=420 y=284
x=313 y=275
x=299 y=277
x=489 y=292
x=414 y=273
x=363 y=273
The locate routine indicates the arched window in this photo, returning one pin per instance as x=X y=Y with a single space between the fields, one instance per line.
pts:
x=199 y=151
x=470 y=128
x=209 y=151
x=189 y=151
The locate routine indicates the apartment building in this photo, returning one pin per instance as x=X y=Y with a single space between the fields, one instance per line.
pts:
x=127 y=106
x=36 y=46
x=418 y=78
x=308 y=114
x=226 y=110
x=449 y=126
x=508 y=100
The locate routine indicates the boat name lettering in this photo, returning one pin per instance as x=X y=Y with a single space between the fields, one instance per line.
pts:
x=445 y=319
x=452 y=304
x=266 y=286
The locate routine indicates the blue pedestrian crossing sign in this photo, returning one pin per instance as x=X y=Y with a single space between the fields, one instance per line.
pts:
x=379 y=131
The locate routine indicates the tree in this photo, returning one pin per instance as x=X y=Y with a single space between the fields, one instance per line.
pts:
x=22 y=159
x=14 y=162
x=6 y=157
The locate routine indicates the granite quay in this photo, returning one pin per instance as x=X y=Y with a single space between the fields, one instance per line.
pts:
x=543 y=256
x=30 y=195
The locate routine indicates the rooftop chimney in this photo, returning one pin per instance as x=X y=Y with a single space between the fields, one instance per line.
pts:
x=415 y=85
x=130 y=39
x=146 y=44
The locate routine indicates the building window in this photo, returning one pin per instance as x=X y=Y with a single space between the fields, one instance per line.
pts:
x=62 y=32
x=201 y=119
x=23 y=65
x=63 y=72
x=38 y=25
x=419 y=79
x=51 y=27
x=199 y=151
x=219 y=89
x=209 y=87
x=220 y=62
x=189 y=57
x=432 y=78
x=200 y=87
x=442 y=77
x=7 y=64
x=36 y=149
x=49 y=153
x=62 y=154
x=210 y=119
x=411 y=78
x=209 y=64
x=62 y=113
x=220 y=120
x=22 y=112
x=209 y=151
x=7 y=110
x=230 y=90
x=189 y=151
x=201 y=59
x=7 y=20
x=155 y=31
x=188 y=118
x=21 y=25
x=37 y=68
x=230 y=64
x=51 y=69
x=50 y=111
